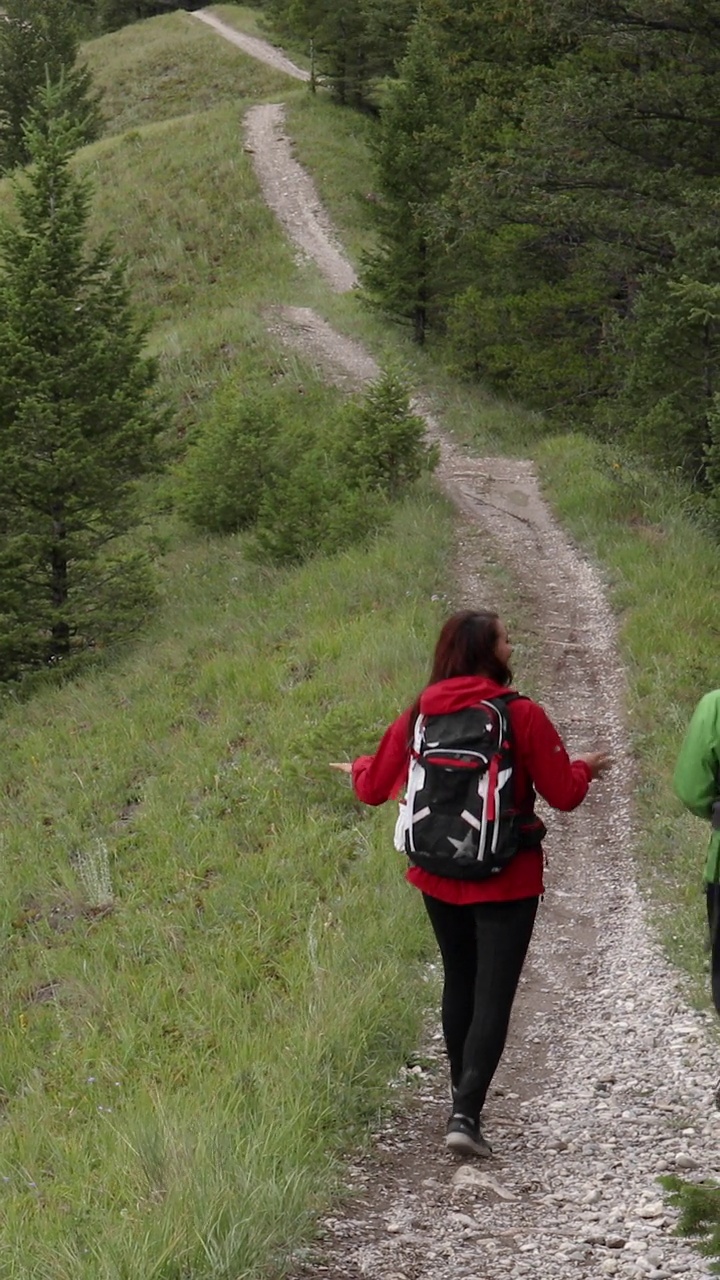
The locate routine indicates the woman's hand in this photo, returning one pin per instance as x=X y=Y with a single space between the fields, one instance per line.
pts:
x=342 y=766
x=598 y=762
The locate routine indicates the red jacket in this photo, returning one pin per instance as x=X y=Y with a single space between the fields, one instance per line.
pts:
x=541 y=762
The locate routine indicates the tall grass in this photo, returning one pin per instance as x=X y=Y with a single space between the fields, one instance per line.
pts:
x=211 y=961
x=183 y=1059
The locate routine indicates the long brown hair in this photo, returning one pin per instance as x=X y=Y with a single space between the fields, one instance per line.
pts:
x=466 y=647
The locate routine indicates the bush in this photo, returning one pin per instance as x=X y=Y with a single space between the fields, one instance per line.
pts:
x=699 y=1205
x=307 y=478
x=383 y=443
x=232 y=460
x=310 y=509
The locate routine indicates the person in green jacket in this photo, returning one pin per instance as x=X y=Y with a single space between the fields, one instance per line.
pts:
x=697 y=783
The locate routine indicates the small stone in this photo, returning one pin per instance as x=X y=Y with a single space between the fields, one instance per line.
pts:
x=463 y=1220
x=636 y=1246
x=653 y=1210
x=468 y=1175
x=685 y=1161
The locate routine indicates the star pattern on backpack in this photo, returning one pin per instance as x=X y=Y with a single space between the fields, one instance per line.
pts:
x=466 y=848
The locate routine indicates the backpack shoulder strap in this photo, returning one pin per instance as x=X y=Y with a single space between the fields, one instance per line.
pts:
x=504 y=699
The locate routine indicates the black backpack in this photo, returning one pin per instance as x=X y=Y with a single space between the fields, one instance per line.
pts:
x=459 y=817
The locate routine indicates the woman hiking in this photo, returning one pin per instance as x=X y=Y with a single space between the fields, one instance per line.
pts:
x=482 y=884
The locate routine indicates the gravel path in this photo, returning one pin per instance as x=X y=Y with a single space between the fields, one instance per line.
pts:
x=256 y=48
x=292 y=197
x=608 y=1077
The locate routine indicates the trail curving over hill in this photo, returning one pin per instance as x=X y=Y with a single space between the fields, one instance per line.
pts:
x=256 y=48
x=608 y=1077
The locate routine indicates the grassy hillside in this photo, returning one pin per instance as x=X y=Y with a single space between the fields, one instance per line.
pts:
x=173 y=66
x=205 y=256
x=210 y=957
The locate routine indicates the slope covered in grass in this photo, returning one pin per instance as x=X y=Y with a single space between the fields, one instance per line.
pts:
x=172 y=66
x=204 y=254
x=210 y=957
x=178 y=1071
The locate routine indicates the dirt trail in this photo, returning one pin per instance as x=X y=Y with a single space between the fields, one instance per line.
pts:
x=256 y=48
x=291 y=195
x=608 y=1076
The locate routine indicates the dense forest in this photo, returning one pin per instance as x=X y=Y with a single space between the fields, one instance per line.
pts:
x=547 y=178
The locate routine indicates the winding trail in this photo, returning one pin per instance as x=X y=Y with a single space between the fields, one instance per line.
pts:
x=292 y=197
x=251 y=45
x=608 y=1076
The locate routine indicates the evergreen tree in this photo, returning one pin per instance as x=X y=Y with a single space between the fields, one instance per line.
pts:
x=77 y=421
x=405 y=275
x=113 y=14
x=573 y=220
x=356 y=43
x=387 y=26
x=38 y=43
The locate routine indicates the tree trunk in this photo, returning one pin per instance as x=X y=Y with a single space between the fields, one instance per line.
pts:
x=420 y=314
x=60 y=631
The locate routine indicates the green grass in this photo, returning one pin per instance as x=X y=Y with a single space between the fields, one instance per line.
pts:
x=195 y=231
x=211 y=962
x=210 y=957
x=178 y=1072
x=657 y=562
x=335 y=145
x=173 y=66
x=206 y=259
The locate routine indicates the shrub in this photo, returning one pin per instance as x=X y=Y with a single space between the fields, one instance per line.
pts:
x=310 y=509
x=231 y=460
x=699 y=1205
x=309 y=480
x=382 y=446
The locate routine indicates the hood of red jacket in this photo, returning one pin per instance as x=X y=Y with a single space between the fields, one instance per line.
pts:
x=459 y=692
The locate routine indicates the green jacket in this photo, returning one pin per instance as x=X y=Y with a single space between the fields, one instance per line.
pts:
x=697 y=772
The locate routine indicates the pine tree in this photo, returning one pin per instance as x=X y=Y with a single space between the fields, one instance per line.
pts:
x=113 y=14
x=77 y=418
x=572 y=210
x=39 y=43
x=414 y=155
x=387 y=27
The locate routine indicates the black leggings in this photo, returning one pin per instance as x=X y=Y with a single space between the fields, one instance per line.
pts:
x=712 y=896
x=483 y=947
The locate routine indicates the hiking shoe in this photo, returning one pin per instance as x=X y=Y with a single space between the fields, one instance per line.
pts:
x=464 y=1138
